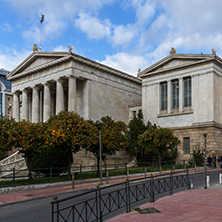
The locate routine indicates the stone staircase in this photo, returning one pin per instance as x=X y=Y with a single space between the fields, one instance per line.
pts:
x=13 y=161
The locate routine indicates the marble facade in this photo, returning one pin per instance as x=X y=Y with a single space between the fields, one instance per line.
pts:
x=184 y=92
x=46 y=83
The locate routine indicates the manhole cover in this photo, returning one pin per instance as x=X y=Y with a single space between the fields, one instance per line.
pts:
x=29 y=195
x=150 y=210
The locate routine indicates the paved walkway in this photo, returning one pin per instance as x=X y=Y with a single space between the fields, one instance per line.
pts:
x=187 y=206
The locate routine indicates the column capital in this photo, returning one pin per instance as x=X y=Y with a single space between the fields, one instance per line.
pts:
x=72 y=76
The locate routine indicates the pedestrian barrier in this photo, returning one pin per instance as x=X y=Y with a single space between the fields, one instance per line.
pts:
x=96 y=204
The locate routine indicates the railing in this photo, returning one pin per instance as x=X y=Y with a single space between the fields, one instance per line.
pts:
x=97 y=204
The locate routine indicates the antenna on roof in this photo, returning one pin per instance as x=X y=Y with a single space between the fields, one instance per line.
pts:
x=42 y=20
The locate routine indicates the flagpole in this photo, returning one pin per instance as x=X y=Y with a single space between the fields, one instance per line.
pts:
x=42 y=20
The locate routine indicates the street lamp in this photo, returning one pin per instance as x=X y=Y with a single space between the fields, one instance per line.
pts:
x=205 y=160
x=99 y=127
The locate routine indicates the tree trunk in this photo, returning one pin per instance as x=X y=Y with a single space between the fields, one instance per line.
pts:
x=30 y=172
x=69 y=164
x=160 y=159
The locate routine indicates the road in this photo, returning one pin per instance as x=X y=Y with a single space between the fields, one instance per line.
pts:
x=39 y=210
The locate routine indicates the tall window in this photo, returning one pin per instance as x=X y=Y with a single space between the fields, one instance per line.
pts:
x=186 y=145
x=187 y=91
x=134 y=114
x=175 y=93
x=163 y=95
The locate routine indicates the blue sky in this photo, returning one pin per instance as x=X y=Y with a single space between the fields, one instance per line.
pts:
x=124 y=34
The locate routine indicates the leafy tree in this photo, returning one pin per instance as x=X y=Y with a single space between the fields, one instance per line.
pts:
x=135 y=128
x=31 y=139
x=69 y=132
x=7 y=134
x=159 y=140
x=113 y=138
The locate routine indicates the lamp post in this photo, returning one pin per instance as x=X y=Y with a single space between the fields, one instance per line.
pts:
x=205 y=160
x=99 y=127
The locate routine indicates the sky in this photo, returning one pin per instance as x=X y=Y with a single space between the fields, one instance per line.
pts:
x=123 y=34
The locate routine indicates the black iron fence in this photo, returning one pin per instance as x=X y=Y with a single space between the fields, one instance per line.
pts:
x=97 y=204
x=56 y=174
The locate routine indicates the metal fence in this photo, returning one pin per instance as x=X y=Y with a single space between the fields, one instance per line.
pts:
x=84 y=172
x=95 y=205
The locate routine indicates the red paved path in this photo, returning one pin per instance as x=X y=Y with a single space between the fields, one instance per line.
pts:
x=186 y=206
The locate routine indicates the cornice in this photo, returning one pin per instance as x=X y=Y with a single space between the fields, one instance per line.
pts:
x=202 y=57
x=67 y=57
x=199 y=125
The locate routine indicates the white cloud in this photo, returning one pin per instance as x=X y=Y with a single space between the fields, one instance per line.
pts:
x=10 y=59
x=7 y=27
x=123 y=35
x=93 y=27
x=61 y=48
x=128 y=63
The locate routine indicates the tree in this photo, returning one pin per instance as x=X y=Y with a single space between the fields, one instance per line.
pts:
x=69 y=132
x=137 y=127
x=7 y=134
x=158 y=139
x=113 y=138
x=31 y=139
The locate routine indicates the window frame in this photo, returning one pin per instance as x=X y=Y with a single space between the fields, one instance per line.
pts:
x=163 y=96
x=187 y=92
x=175 y=93
x=186 y=145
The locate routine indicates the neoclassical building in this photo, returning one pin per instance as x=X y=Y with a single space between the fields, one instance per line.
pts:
x=46 y=83
x=6 y=99
x=184 y=92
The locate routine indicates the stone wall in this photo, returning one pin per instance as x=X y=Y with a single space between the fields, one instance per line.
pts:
x=214 y=140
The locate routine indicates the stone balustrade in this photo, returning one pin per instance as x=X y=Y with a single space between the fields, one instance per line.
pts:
x=14 y=161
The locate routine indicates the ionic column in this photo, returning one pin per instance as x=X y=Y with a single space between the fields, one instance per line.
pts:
x=59 y=96
x=35 y=104
x=25 y=107
x=180 y=95
x=86 y=99
x=169 y=96
x=72 y=94
x=16 y=106
x=46 y=102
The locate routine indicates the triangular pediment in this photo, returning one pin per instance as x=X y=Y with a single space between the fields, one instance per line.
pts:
x=35 y=61
x=175 y=61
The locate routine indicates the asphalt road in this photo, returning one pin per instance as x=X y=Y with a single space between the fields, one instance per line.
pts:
x=39 y=210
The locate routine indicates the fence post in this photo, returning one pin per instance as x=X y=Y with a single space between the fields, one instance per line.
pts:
x=80 y=172
x=73 y=181
x=50 y=174
x=220 y=178
x=143 y=167
x=126 y=167
x=107 y=177
x=145 y=172
x=13 y=177
x=171 y=183
x=151 y=189
x=128 y=194
x=188 y=180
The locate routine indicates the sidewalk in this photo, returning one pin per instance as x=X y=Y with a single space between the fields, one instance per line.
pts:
x=190 y=205
x=187 y=206
x=19 y=196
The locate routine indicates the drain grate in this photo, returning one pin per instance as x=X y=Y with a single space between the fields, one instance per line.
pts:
x=150 y=210
x=29 y=195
